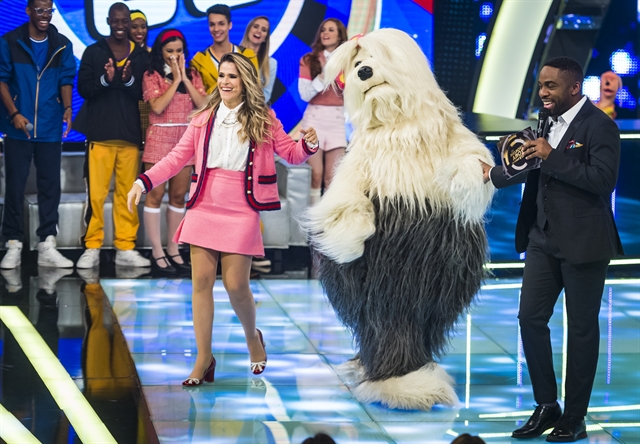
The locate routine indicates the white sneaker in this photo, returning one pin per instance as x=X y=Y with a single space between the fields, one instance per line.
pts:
x=48 y=276
x=13 y=256
x=131 y=258
x=13 y=281
x=129 y=272
x=89 y=259
x=89 y=275
x=48 y=256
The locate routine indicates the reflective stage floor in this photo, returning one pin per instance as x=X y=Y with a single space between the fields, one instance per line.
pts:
x=299 y=394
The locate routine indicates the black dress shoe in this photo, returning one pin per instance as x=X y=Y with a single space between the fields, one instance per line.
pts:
x=543 y=418
x=167 y=269
x=184 y=266
x=569 y=429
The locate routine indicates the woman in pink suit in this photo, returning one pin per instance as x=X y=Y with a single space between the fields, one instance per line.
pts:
x=233 y=138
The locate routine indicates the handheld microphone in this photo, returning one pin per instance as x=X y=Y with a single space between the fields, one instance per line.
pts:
x=29 y=126
x=543 y=128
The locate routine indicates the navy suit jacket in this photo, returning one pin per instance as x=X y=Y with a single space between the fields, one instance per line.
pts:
x=573 y=187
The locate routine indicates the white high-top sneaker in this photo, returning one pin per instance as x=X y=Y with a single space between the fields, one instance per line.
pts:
x=13 y=255
x=131 y=258
x=48 y=256
x=89 y=259
x=48 y=276
x=13 y=281
x=89 y=275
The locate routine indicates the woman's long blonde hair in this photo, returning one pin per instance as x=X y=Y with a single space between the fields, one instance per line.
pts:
x=263 y=51
x=254 y=114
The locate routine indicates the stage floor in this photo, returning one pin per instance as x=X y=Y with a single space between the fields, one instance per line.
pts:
x=300 y=394
x=128 y=364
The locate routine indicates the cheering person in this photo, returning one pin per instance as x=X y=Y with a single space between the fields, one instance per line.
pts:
x=173 y=91
x=325 y=110
x=256 y=37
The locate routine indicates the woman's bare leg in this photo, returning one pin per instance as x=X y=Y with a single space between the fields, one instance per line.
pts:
x=316 y=162
x=331 y=160
x=236 y=269
x=204 y=264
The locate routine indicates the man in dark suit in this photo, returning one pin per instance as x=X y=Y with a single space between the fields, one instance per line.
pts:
x=567 y=229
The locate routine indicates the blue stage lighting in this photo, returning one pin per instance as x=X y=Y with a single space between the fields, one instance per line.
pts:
x=480 y=44
x=486 y=10
x=624 y=63
x=591 y=88
x=624 y=99
x=574 y=21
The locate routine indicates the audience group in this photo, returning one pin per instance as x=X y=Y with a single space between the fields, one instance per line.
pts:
x=136 y=96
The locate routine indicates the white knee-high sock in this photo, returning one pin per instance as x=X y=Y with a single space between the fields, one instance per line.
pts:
x=152 y=227
x=174 y=217
x=314 y=196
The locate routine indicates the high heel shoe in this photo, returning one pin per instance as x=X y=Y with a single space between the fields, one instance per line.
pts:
x=208 y=376
x=258 y=367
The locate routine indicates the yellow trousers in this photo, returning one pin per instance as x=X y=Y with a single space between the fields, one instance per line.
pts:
x=104 y=159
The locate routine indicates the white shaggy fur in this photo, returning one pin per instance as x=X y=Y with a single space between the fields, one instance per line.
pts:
x=421 y=389
x=409 y=144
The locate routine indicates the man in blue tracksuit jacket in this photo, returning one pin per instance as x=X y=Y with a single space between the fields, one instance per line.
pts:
x=37 y=69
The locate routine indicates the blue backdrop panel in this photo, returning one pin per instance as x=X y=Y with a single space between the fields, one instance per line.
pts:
x=300 y=18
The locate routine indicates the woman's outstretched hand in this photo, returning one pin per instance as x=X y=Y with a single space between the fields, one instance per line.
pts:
x=310 y=136
x=134 y=196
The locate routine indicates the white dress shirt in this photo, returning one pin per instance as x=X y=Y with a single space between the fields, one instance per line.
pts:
x=308 y=89
x=559 y=128
x=226 y=151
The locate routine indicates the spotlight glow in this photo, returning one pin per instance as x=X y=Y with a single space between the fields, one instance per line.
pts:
x=613 y=202
x=624 y=99
x=591 y=88
x=486 y=11
x=480 y=44
x=623 y=63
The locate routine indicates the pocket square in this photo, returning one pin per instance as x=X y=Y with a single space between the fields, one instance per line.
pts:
x=573 y=144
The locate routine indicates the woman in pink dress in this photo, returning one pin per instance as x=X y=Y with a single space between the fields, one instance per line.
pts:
x=234 y=138
x=172 y=91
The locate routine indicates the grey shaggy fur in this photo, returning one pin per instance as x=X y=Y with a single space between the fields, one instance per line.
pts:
x=402 y=297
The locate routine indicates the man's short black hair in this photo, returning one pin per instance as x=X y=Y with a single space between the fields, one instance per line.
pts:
x=118 y=7
x=30 y=3
x=220 y=9
x=567 y=66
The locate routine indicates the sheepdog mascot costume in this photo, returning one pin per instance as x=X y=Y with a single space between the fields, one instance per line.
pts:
x=399 y=236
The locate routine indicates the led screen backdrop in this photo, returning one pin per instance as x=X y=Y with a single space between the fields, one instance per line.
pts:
x=293 y=23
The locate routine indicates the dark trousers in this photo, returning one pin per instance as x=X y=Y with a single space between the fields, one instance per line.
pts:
x=546 y=273
x=17 y=162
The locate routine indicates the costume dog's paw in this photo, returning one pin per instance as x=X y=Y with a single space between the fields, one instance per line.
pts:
x=339 y=229
x=461 y=179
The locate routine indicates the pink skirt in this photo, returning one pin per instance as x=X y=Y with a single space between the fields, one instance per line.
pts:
x=222 y=219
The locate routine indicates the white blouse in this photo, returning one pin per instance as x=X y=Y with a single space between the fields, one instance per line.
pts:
x=308 y=89
x=226 y=151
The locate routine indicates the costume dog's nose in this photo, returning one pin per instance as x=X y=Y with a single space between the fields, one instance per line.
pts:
x=365 y=73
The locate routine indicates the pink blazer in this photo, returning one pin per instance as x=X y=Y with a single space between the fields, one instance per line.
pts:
x=261 y=187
